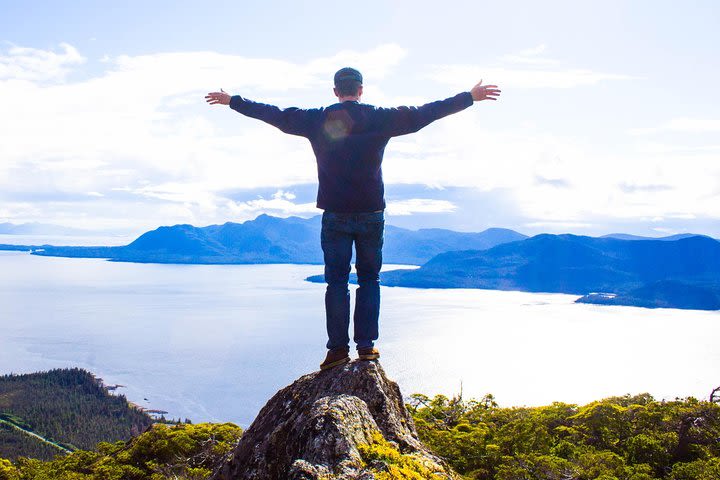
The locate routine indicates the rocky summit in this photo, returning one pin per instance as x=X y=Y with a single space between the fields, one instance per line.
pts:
x=348 y=422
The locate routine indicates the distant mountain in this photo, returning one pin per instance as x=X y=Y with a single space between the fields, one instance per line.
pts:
x=7 y=228
x=681 y=274
x=682 y=271
x=272 y=240
x=670 y=238
x=263 y=240
x=663 y=294
x=417 y=247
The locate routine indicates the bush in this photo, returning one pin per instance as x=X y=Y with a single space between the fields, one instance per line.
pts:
x=624 y=438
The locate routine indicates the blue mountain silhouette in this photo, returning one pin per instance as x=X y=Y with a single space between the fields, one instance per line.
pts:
x=268 y=239
x=683 y=273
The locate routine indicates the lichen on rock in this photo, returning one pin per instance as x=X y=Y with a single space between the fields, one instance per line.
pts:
x=385 y=462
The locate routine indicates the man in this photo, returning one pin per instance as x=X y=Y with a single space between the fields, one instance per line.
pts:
x=349 y=139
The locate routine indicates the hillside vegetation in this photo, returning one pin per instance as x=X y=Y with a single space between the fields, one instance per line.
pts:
x=69 y=407
x=14 y=443
x=623 y=438
x=619 y=438
x=184 y=451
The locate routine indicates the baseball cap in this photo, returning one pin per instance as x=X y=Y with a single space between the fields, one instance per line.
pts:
x=347 y=73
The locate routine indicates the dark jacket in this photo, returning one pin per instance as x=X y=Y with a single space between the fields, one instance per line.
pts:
x=349 y=141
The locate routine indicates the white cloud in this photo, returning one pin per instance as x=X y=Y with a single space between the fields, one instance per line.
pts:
x=141 y=126
x=581 y=181
x=662 y=148
x=530 y=56
x=510 y=77
x=374 y=63
x=136 y=146
x=533 y=51
x=419 y=205
x=283 y=195
x=186 y=193
x=30 y=64
x=537 y=72
x=278 y=207
x=559 y=226
x=682 y=124
x=13 y=211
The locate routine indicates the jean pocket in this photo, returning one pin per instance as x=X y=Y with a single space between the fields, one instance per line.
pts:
x=374 y=218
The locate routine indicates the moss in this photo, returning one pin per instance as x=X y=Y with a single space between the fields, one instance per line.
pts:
x=184 y=451
x=397 y=466
x=7 y=470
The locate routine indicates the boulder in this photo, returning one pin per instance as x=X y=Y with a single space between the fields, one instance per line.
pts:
x=348 y=422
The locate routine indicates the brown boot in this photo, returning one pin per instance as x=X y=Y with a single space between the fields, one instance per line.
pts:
x=368 y=353
x=335 y=357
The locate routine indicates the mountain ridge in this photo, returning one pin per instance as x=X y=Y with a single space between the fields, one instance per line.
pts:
x=35 y=228
x=582 y=266
x=679 y=271
x=268 y=239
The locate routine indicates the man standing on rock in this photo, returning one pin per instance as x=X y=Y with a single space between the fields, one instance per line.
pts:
x=349 y=139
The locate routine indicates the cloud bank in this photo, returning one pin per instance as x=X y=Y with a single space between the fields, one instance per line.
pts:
x=127 y=142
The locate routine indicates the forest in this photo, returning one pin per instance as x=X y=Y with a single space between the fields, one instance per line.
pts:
x=69 y=407
x=183 y=451
x=624 y=438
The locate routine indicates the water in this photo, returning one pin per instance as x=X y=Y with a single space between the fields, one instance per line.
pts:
x=213 y=343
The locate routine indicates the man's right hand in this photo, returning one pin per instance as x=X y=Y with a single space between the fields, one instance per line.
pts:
x=218 y=98
x=484 y=92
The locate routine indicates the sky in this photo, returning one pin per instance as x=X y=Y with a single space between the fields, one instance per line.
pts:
x=608 y=119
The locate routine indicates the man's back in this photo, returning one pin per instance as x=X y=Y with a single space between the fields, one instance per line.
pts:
x=349 y=143
x=349 y=140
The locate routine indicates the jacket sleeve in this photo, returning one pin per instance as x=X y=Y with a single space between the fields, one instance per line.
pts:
x=404 y=120
x=295 y=121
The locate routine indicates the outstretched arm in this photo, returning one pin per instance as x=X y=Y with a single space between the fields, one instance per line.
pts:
x=404 y=120
x=295 y=121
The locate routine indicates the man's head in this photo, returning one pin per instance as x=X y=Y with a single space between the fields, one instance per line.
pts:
x=348 y=83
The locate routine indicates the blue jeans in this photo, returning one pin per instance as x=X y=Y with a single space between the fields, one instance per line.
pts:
x=339 y=232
